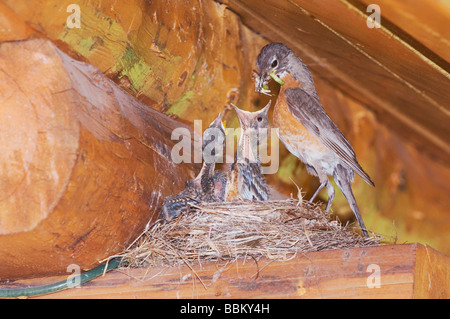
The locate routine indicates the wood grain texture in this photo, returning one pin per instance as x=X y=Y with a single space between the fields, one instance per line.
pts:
x=424 y=21
x=431 y=274
x=326 y=274
x=185 y=58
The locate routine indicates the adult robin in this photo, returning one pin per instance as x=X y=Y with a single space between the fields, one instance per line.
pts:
x=208 y=185
x=305 y=128
x=245 y=178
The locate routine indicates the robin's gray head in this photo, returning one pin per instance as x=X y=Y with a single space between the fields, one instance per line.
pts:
x=272 y=62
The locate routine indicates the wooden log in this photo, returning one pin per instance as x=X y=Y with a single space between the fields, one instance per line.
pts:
x=396 y=271
x=84 y=166
x=12 y=25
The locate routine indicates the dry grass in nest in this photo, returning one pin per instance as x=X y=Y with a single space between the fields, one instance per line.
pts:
x=227 y=231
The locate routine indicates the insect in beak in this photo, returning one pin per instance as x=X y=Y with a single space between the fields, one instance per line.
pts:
x=260 y=84
x=265 y=89
x=276 y=78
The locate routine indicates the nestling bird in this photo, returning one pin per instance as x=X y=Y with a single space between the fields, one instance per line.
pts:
x=208 y=185
x=305 y=128
x=245 y=179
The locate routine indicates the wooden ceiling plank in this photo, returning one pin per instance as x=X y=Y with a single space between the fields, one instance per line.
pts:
x=384 y=48
x=425 y=20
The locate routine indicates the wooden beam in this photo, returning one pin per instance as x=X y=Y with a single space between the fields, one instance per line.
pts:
x=431 y=274
x=426 y=21
x=346 y=273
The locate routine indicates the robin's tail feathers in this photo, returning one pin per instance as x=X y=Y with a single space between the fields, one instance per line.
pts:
x=342 y=179
x=364 y=176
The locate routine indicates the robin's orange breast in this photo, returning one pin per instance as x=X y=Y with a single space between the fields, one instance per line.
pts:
x=293 y=134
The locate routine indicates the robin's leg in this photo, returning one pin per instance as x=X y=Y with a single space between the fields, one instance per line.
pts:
x=330 y=191
x=323 y=181
x=322 y=185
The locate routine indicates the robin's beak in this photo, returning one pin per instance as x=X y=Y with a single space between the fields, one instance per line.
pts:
x=266 y=108
x=261 y=84
x=244 y=117
x=218 y=121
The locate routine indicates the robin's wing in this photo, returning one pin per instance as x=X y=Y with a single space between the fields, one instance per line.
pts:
x=308 y=110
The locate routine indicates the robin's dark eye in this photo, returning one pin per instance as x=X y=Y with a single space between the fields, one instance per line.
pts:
x=259 y=118
x=274 y=63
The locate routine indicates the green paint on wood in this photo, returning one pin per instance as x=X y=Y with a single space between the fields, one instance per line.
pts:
x=181 y=105
x=134 y=67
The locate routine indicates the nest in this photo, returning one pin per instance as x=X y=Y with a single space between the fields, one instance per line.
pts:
x=227 y=231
